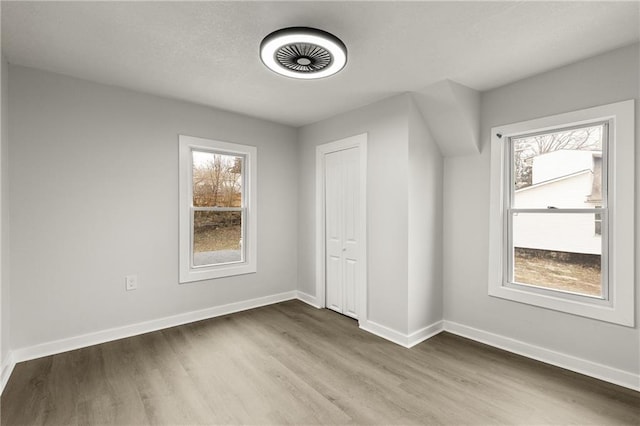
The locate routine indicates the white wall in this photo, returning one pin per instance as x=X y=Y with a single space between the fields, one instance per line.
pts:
x=600 y=80
x=94 y=192
x=404 y=181
x=4 y=218
x=386 y=125
x=425 y=225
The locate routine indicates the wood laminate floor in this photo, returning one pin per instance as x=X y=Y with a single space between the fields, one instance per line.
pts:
x=292 y=364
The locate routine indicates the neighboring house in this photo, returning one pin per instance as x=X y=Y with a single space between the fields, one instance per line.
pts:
x=562 y=179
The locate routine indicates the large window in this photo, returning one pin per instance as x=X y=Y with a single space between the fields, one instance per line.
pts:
x=562 y=212
x=217 y=209
x=556 y=188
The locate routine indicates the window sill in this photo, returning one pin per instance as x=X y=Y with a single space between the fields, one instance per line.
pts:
x=596 y=309
x=214 y=272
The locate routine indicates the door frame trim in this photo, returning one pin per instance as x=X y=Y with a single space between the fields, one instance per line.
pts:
x=360 y=142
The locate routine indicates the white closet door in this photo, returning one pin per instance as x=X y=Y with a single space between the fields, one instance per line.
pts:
x=342 y=195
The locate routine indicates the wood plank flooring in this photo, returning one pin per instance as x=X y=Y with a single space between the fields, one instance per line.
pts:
x=292 y=364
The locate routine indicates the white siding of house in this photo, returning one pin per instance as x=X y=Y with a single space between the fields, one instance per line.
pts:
x=573 y=233
x=560 y=163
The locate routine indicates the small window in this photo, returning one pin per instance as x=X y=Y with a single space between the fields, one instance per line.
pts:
x=217 y=211
x=562 y=221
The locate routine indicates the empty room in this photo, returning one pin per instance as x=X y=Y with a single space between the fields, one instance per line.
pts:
x=319 y=212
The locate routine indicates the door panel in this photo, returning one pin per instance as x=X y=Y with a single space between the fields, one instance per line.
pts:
x=333 y=226
x=350 y=285
x=334 y=283
x=342 y=210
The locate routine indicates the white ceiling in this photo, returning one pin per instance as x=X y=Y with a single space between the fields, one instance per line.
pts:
x=207 y=52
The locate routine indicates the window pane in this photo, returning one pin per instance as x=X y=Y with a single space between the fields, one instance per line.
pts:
x=561 y=169
x=217 y=179
x=558 y=251
x=217 y=237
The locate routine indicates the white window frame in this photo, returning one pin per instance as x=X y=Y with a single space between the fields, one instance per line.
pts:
x=618 y=304
x=189 y=272
x=510 y=211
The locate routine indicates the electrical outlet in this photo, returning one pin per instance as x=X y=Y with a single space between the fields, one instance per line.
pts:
x=131 y=282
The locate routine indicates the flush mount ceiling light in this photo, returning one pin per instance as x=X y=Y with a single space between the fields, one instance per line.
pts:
x=302 y=52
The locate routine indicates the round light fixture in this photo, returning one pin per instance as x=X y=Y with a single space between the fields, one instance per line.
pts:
x=302 y=52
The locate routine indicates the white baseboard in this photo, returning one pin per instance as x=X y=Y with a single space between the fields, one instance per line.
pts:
x=308 y=299
x=424 y=333
x=76 y=342
x=568 y=362
x=579 y=365
x=402 y=339
x=8 y=364
x=384 y=332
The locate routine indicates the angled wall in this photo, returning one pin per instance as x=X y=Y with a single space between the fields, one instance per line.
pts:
x=452 y=112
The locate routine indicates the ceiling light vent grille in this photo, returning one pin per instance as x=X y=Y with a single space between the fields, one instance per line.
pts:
x=302 y=52
x=304 y=57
